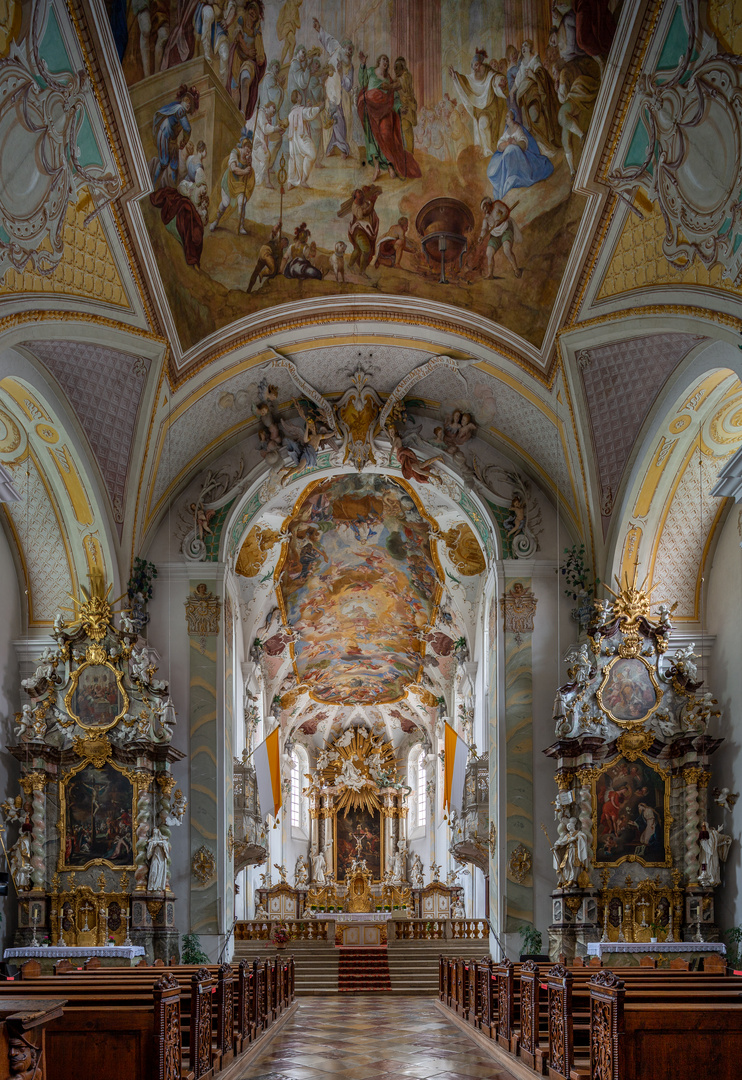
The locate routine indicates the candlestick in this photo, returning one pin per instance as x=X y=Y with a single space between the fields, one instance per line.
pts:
x=34 y=921
x=127 y=940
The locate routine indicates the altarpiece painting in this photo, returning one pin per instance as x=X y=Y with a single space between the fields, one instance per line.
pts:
x=631 y=814
x=358 y=836
x=98 y=811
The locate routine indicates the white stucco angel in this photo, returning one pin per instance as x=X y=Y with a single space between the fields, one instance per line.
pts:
x=301 y=872
x=571 y=852
x=282 y=872
x=435 y=872
x=580 y=658
x=324 y=757
x=685 y=661
x=127 y=626
x=139 y=664
x=25 y=721
x=351 y=776
x=260 y=912
x=416 y=872
x=319 y=866
x=45 y=667
x=346 y=738
x=158 y=853
x=725 y=798
x=715 y=844
x=177 y=810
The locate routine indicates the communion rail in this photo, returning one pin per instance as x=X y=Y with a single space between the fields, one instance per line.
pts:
x=397 y=929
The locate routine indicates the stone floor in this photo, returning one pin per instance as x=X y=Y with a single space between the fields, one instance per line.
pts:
x=372 y=1037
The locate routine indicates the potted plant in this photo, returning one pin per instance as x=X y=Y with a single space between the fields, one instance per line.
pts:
x=192 y=953
x=734 y=946
x=531 y=943
x=654 y=929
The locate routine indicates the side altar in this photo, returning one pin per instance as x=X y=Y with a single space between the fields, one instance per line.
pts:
x=638 y=851
x=91 y=862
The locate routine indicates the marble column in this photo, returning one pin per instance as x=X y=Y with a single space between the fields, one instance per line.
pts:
x=691 y=775
x=34 y=789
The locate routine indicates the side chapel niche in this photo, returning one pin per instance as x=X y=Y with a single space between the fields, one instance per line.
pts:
x=98 y=801
x=635 y=853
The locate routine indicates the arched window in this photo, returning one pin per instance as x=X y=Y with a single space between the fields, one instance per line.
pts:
x=417 y=779
x=299 y=803
x=422 y=794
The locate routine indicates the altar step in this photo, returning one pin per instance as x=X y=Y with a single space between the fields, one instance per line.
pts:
x=364 y=970
x=316 y=963
x=413 y=965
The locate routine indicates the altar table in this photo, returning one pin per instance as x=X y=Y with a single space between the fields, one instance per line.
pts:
x=110 y=956
x=628 y=953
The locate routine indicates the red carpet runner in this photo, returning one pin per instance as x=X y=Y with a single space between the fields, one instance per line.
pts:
x=363 y=970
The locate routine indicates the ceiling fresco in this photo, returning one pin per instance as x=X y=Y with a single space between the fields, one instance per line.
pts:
x=306 y=150
x=358 y=586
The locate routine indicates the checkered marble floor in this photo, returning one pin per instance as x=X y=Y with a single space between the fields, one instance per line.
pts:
x=372 y=1038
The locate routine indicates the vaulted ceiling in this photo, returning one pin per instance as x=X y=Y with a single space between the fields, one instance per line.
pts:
x=601 y=365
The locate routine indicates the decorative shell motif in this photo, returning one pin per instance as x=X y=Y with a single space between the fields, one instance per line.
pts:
x=519 y=864
x=203 y=865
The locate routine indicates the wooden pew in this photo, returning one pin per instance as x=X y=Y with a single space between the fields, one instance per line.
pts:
x=553 y=1036
x=676 y=1037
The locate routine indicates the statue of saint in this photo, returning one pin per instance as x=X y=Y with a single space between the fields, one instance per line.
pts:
x=571 y=852
x=715 y=844
x=158 y=851
x=319 y=866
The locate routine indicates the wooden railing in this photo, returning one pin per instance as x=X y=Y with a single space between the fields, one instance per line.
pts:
x=438 y=929
x=399 y=929
x=300 y=929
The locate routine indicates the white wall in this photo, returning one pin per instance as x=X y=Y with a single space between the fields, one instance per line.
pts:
x=724 y=619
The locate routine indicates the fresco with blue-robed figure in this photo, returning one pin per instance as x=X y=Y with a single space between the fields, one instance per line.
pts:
x=331 y=128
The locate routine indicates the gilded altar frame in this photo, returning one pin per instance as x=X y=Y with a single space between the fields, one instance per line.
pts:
x=630 y=725
x=138 y=783
x=95 y=659
x=667 y=820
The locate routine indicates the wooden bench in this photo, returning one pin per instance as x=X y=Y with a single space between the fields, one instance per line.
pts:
x=544 y=1013
x=224 y=1008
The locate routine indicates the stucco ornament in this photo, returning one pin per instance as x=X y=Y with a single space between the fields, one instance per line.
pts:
x=40 y=119
x=693 y=165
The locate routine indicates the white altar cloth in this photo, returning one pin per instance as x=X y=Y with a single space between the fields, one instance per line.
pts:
x=59 y=952
x=360 y=916
x=599 y=948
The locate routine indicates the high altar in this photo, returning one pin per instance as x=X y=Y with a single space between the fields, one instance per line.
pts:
x=358 y=846
x=91 y=863
x=637 y=852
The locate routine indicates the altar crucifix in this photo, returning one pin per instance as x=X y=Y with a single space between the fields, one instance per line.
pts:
x=86 y=908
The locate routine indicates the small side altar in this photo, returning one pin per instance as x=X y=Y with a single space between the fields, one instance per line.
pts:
x=630 y=953
x=47 y=956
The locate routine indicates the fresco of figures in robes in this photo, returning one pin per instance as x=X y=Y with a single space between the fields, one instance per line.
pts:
x=303 y=148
